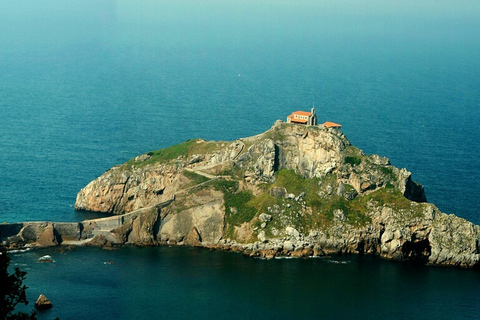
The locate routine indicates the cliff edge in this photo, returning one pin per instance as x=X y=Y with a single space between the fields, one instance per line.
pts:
x=291 y=191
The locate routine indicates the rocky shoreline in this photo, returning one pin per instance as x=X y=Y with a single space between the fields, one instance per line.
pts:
x=93 y=233
x=293 y=191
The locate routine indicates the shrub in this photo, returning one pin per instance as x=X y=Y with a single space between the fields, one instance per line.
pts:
x=354 y=161
x=12 y=290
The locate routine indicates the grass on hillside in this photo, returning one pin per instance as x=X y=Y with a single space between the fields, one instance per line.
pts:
x=322 y=208
x=241 y=206
x=233 y=171
x=237 y=210
x=185 y=149
x=353 y=155
x=194 y=178
x=354 y=161
x=388 y=172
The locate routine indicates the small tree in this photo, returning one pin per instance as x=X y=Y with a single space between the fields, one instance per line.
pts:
x=12 y=290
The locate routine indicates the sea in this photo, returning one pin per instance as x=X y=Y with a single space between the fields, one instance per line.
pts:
x=89 y=84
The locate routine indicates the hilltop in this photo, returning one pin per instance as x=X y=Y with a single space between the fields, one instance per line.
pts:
x=293 y=190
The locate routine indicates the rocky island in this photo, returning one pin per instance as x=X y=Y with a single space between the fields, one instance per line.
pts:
x=293 y=190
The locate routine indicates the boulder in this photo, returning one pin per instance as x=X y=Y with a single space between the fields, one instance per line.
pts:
x=43 y=303
x=278 y=192
x=265 y=217
x=143 y=157
x=351 y=194
x=339 y=215
x=99 y=241
x=292 y=232
x=196 y=158
x=288 y=246
x=261 y=236
x=378 y=160
x=47 y=259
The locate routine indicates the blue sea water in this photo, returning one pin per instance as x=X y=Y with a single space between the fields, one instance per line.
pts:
x=86 y=84
x=187 y=283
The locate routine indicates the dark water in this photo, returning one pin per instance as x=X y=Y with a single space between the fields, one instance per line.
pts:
x=86 y=84
x=185 y=283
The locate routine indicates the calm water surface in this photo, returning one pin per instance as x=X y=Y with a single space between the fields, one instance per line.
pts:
x=85 y=85
x=181 y=283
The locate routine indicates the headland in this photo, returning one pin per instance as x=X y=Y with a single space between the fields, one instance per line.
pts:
x=294 y=190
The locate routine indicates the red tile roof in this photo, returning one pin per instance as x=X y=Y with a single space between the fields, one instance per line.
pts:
x=329 y=124
x=302 y=113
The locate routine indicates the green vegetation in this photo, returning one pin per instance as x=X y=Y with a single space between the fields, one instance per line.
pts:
x=353 y=156
x=275 y=135
x=12 y=290
x=292 y=212
x=316 y=208
x=351 y=151
x=184 y=149
x=262 y=202
x=291 y=181
x=320 y=212
x=237 y=210
x=348 y=187
x=172 y=152
x=388 y=196
x=388 y=172
x=194 y=177
x=296 y=184
x=354 y=161
x=232 y=171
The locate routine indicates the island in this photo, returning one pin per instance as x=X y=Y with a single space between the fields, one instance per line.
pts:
x=292 y=191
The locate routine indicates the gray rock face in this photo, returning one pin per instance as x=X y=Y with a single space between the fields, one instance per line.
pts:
x=311 y=153
x=122 y=190
x=204 y=211
x=143 y=228
x=454 y=241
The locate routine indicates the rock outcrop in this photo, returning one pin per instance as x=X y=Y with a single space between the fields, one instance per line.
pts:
x=43 y=303
x=291 y=191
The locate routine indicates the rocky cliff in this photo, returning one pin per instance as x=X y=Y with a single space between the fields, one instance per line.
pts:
x=291 y=191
